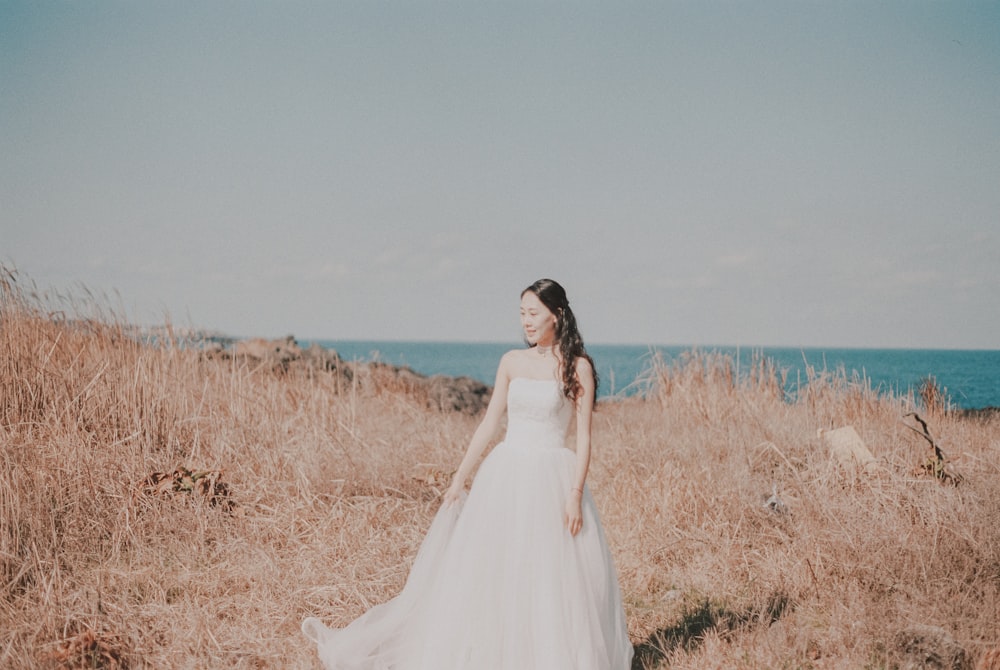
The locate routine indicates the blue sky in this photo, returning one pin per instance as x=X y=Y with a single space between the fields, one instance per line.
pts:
x=705 y=173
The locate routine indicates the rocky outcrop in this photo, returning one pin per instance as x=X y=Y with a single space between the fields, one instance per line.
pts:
x=278 y=352
x=448 y=394
x=326 y=360
x=458 y=394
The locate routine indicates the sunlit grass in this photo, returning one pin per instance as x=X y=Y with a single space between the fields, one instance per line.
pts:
x=329 y=484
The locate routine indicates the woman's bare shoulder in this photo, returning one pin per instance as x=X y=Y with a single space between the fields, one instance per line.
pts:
x=514 y=355
x=583 y=366
x=519 y=363
x=509 y=361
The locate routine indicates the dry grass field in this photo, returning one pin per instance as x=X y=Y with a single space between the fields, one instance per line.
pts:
x=164 y=509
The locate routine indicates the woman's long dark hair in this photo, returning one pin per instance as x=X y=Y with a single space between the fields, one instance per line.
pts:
x=568 y=337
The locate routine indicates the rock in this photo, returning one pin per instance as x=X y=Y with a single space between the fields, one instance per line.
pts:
x=278 y=352
x=448 y=394
x=930 y=648
x=327 y=360
x=214 y=350
x=286 y=349
x=458 y=394
x=847 y=447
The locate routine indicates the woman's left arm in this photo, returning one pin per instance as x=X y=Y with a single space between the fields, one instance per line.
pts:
x=584 y=411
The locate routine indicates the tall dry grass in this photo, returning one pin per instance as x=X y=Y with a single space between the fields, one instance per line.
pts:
x=329 y=485
x=844 y=571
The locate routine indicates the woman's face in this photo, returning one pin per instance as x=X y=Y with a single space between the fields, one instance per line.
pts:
x=538 y=322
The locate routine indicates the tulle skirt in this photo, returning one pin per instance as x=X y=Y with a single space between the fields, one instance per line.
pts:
x=498 y=583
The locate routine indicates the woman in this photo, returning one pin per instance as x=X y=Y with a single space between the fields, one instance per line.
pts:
x=516 y=575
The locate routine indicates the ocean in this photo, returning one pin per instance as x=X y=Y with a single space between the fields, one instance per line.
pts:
x=971 y=379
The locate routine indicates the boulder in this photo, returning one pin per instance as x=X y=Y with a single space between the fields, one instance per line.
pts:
x=458 y=394
x=847 y=447
x=327 y=360
x=213 y=349
x=281 y=351
x=448 y=394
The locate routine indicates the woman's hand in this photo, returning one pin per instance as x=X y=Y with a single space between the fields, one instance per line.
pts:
x=454 y=493
x=573 y=516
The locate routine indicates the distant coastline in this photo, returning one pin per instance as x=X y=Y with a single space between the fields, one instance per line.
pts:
x=971 y=378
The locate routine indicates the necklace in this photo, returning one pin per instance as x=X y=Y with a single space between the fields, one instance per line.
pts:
x=543 y=351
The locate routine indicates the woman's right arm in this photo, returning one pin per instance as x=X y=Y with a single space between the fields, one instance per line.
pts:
x=484 y=432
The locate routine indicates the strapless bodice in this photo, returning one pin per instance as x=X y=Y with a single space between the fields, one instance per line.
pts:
x=538 y=413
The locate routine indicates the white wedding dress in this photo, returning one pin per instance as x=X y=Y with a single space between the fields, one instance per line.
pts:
x=498 y=582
